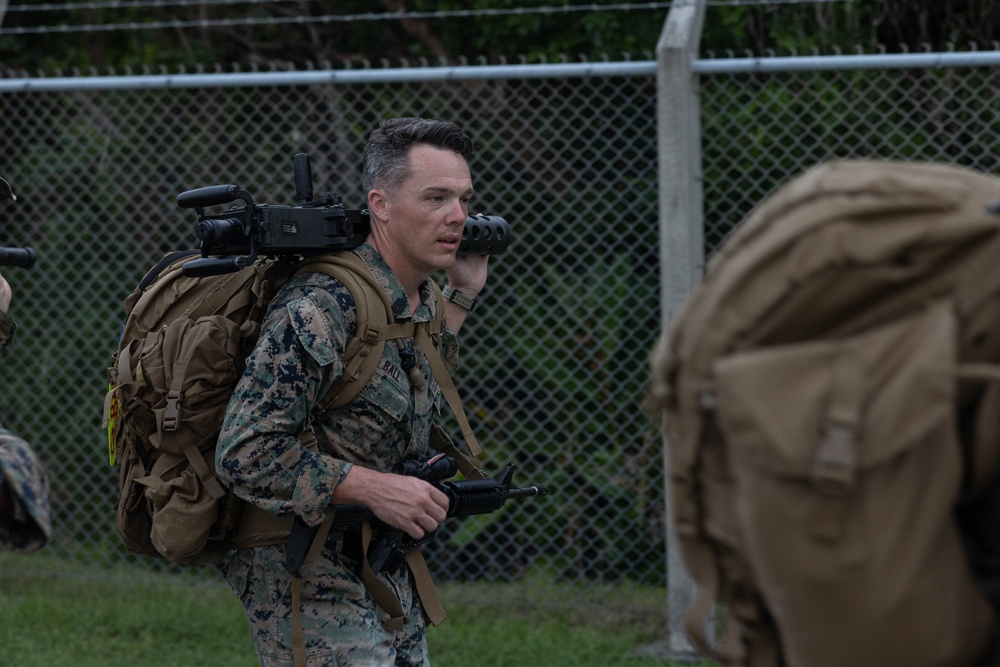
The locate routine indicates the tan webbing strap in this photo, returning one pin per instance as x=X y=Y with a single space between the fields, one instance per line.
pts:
x=981 y=372
x=198 y=463
x=352 y=279
x=442 y=443
x=448 y=389
x=699 y=613
x=124 y=367
x=241 y=300
x=702 y=565
x=425 y=585
x=985 y=454
x=836 y=461
x=384 y=596
x=260 y=528
x=365 y=334
x=123 y=380
x=299 y=658
x=372 y=336
x=219 y=296
x=171 y=421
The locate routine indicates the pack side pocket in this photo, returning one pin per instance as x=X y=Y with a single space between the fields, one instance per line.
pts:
x=201 y=362
x=846 y=461
x=191 y=367
x=132 y=515
x=183 y=511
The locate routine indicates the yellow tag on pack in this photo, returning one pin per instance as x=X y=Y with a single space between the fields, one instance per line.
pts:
x=112 y=432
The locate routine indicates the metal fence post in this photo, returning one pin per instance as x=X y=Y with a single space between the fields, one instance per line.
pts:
x=682 y=253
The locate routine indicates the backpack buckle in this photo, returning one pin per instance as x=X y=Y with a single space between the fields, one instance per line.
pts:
x=835 y=466
x=366 y=333
x=171 y=415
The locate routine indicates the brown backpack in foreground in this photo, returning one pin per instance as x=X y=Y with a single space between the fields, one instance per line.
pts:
x=831 y=405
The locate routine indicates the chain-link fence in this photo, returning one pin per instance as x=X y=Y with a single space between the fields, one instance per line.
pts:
x=760 y=129
x=554 y=358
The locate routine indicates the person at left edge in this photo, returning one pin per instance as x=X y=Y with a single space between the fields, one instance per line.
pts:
x=25 y=516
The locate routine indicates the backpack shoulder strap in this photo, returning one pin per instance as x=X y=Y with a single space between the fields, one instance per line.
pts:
x=377 y=325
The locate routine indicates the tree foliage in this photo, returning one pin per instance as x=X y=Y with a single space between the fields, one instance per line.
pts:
x=353 y=33
x=443 y=31
x=891 y=25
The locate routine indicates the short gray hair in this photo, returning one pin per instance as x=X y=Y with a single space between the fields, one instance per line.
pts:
x=386 y=155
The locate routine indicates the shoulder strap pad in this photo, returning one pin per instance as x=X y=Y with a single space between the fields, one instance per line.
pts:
x=375 y=323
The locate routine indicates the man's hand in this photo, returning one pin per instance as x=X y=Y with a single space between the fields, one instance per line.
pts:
x=468 y=275
x=408 y=503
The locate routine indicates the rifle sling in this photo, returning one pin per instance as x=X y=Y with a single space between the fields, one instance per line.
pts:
x=425 y=585
x=384 y=596
x=448 y=389
x=299 y=658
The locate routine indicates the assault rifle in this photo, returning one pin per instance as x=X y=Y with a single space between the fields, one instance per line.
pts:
x=22 y=257
x=388 y=547
x=234 y=238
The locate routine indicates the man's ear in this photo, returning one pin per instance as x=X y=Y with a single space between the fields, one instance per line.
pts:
x=378 y=205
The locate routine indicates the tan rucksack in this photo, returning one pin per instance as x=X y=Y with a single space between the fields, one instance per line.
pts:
x=181 y=353
x=831 y=405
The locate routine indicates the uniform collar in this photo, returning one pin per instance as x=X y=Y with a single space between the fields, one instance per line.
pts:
x=390 y=283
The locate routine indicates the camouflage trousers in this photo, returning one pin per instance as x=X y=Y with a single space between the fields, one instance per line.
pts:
x=340 y=619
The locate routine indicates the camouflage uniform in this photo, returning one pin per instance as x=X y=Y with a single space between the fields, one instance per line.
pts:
x=298 y=357
x=22 y=476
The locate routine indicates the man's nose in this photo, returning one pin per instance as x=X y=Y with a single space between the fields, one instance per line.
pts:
x=458 y=213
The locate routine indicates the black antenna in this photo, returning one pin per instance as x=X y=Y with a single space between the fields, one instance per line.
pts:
x=303 y=178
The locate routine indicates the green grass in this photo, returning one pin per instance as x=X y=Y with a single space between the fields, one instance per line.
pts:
x=77 y=622
x=86 y=623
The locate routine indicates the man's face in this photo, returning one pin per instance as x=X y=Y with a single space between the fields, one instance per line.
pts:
x=426 y=214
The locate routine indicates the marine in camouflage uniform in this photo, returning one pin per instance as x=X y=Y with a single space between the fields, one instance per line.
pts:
x=260 y=457
x=25 y=517
x=291 y=369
